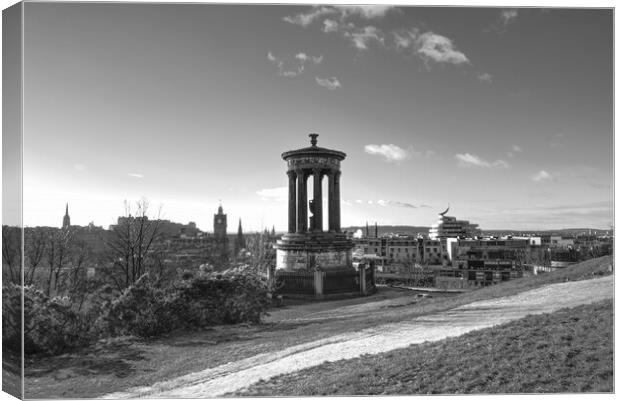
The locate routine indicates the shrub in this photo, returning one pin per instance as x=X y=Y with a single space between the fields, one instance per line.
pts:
x=140 y=310
x=196 y=302
x=51 y=326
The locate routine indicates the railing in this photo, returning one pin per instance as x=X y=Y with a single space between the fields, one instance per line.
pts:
x=336 y=281
x=301 y=282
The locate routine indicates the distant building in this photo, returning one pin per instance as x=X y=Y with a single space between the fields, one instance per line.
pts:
x=66 y=221
x=450 y=227
x=239 y=240
x=219 y=223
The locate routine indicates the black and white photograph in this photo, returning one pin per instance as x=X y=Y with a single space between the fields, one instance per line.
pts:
x=205 y=200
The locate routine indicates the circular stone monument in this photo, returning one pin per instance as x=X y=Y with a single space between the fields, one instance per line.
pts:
x=308 y=245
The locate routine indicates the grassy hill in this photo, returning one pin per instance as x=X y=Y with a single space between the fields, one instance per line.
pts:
x=567 y=351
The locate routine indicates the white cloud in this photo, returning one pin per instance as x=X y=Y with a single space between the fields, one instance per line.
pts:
x=390 y=151
x=430 y=153
x=294 y=68
x=469 y=160
x=79 y=167
x=439 y=49
x=359 y=201
x=508 y=16
x=399 y=204
x=405 y=39
x=500 y=163
x=329 y=83
x=135 y=175
x=278 y=194
x=303 y=57
x=543 y=176
x=362 y=37
x=485 y=77
x=517 y=148
x=308 y=18
x=366 y=12
x=329 y=25
x=338 y=12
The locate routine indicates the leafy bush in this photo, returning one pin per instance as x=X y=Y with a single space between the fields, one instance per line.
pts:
x=51 y=326
x=216 y=298
x=195 y=302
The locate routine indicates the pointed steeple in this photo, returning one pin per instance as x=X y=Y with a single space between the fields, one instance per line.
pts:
x=367 y=232
x=240 y=240
x=66 y=220
x=376 y=230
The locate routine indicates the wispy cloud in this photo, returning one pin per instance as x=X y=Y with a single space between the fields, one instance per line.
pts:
x=329 y=83
x=439 y=49
x=382 y=202
x=362 y=37
x=303 y=57
x=135 y=175
x=505 y=18
x=279 y=194
x=508 y=16
x=390 y=151
x=305 y=19
x=470 y=160
x=485 y=77
x=516 y=148
x=294 y=67
x=339 y=13
x=543 y=176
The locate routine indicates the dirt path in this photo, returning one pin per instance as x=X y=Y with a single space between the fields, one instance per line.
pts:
x=236 y=375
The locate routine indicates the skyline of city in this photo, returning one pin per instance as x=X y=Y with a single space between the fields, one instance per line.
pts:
x=504 y=114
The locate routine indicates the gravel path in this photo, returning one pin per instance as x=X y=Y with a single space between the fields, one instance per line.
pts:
x=236 y=375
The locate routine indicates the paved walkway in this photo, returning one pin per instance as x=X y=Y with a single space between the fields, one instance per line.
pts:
x=236 y=375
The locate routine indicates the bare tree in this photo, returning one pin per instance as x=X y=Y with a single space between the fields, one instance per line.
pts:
x=35 y=243
x=11 y=254
x=130 y=244
x=58 y=252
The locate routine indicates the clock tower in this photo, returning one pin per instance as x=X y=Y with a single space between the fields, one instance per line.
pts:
x=219 y=223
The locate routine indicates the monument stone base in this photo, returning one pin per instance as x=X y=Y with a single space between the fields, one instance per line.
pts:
x=309 y=251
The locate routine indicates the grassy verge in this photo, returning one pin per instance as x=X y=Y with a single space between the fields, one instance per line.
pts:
x=567 y=351
x=125 y=363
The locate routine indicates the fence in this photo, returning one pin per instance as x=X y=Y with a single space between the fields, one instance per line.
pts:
x=337 y=281
x=301 y=282
x=330 y=282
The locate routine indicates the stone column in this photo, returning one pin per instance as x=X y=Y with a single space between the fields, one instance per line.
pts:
x=337 y=201
x=330 y=201
x=318 y=201
x=292 y=201
x=302 y=202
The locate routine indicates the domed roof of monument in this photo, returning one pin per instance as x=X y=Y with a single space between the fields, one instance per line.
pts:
x=314 y=150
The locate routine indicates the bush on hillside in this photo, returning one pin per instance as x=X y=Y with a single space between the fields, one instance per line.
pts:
x=51 y=325
x=196 y=302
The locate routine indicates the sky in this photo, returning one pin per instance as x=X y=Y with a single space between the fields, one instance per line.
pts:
x=505 y=115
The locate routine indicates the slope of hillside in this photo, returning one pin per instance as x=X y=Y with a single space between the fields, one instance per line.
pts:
x=570 y=350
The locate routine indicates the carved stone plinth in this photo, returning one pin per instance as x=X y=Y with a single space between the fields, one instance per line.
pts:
x=311 y=250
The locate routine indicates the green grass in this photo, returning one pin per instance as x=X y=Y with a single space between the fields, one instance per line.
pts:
x=570 y=350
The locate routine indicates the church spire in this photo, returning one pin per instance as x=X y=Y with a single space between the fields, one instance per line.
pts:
x=240 y=240
x=66 y=221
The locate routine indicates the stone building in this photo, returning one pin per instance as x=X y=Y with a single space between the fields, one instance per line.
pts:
x=219 y=223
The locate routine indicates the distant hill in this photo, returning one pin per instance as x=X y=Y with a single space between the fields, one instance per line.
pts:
x=405 y=230
x=414 y=230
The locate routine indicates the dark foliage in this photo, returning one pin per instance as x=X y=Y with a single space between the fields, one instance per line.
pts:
x=51 y=325
x=195 y=302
